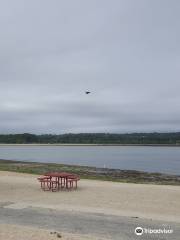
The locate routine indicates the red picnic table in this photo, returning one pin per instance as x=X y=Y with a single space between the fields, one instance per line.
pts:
x=61 y=178
x=55 y=180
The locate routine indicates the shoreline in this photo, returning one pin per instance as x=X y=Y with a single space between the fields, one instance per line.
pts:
x=93 y=173
x=89 y=145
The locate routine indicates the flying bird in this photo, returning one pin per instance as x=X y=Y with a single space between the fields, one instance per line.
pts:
x=87 y=92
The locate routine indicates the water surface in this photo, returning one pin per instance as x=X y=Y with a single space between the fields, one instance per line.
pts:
x=142 y=158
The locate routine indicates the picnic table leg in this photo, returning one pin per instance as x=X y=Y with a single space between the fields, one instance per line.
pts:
x=66 y=182
x=59 y=182
x=62 y=182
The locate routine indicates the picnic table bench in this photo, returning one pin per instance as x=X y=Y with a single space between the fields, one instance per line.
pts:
x=55 y=181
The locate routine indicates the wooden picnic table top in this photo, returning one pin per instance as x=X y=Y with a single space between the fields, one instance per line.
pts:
x=58 y=174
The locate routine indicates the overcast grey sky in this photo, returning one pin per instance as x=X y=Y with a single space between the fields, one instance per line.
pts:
x=127 y=52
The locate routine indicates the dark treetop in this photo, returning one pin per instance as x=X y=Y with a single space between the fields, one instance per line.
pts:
x=94 y=138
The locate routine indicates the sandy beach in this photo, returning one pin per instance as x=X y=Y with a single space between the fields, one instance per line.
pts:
x=156 y=202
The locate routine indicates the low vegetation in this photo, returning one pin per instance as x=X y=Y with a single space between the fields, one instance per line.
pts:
x=91 y=172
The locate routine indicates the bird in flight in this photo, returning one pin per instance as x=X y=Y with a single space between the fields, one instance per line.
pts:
x=87 y=92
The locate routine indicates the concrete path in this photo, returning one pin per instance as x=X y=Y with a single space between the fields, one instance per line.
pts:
x=99 y=225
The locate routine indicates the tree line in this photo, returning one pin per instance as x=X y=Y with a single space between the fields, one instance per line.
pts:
x=93 y=138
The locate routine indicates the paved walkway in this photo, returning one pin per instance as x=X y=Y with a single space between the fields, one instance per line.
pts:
x=99 y=225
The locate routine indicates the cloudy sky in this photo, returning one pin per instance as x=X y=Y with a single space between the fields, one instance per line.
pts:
x=126 y=52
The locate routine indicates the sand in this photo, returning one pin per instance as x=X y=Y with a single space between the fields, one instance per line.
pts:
x=13 y=232
x=157 y=202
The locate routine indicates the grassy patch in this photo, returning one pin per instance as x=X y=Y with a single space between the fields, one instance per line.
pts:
x=84 y=172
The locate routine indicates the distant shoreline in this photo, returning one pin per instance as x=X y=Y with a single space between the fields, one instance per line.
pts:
x=74 y=145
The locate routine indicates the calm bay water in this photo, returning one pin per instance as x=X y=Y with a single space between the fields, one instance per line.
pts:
x=142 y=158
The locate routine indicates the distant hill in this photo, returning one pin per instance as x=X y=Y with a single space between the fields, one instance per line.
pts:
x=93 y=138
